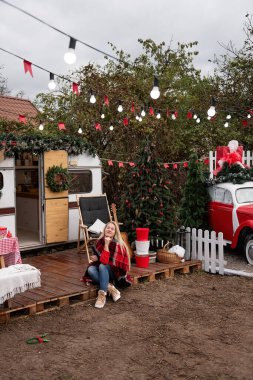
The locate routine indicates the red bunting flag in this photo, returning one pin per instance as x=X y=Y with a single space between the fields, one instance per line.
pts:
x=125 y=121
x=189 y=115
x=61 y=126
x=176 y=114
x=22 y=119
x=75 y=88
x=185 y=165
x=28 y=67
x=132 y=108
x=166 y=166
x=131 y=163
x=206 y=161
x=121 y=165
x=98 y=127
x=244 y=123
x=110 y=163
x=106 y=100
x=175 y=166
x=151 y=111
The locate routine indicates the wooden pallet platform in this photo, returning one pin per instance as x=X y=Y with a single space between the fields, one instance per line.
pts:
x=61 y=283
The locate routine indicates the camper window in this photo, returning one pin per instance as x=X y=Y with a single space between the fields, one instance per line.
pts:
x=81 y=181
x=1 y=181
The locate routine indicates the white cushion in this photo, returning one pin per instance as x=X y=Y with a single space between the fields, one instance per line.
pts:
x=97 y=227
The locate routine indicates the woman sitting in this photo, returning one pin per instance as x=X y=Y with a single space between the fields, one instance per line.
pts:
x=110 y=263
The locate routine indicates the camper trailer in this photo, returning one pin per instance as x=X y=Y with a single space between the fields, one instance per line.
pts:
x=31 y=211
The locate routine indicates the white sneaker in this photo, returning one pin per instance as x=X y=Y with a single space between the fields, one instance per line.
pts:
x=101 y=299
x=115 y=293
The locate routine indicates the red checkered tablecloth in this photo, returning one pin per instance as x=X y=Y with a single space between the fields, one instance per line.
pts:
x=9 y=247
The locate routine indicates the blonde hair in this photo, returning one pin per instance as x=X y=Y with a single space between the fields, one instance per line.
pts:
x=119 y=239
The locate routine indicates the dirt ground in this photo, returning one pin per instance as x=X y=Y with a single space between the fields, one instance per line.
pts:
x=195 y=326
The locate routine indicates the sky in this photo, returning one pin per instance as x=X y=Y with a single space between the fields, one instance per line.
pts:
x=97 y=22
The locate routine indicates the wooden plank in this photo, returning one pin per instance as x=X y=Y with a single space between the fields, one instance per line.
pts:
x=57 y=158
x=56 y=211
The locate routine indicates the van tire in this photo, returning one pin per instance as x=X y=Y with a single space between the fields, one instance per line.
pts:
x=248 y=249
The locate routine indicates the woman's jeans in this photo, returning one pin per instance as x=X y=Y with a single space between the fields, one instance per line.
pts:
x=102 y=275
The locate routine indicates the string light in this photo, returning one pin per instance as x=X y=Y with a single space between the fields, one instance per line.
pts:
x=92 y=98
x=158 y=116
x=155 y=93
x=51 y=83
x=211 y=111
x=226 y=124
x=249 y=116
x=143 y=113
x=120 y=107
x=102 y=115
x=80 y=130
x=41 y=126
x=70 y=55
x=228 y=117
x=111 y=127
x=198 y=120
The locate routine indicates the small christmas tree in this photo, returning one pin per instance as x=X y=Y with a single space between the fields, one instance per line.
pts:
x=193 y=207
x=147 y=200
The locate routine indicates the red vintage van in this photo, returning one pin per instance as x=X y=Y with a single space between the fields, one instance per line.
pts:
x=231 y=212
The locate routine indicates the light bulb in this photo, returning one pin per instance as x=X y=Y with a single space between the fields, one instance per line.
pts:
x=140 y=119
x=211 y=111
x=51 y=84
x=249 y=116
x=120 y=108
x=137 y=117
x=195 y=116
x=228 y=116
x=80 y=130
x=155 y=93
x=198 y=120
x=158 y=116
x=143 y=113
x=70 y=55
x=111 y=127
x=173 y=116
x=102 y=116
x=41 y=127
x=208 y=117
x=226 y=124
x=92 y=99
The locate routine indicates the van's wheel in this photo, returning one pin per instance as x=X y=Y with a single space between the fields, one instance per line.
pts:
x=248 y=249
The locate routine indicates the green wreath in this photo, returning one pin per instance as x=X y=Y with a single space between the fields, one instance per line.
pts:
x=58 y=179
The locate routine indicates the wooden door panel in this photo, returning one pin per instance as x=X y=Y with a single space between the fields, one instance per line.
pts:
x=57 y=158
x=56 y=220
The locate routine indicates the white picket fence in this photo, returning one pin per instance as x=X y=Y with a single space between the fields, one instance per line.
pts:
x=205 y=246
x=247 y=159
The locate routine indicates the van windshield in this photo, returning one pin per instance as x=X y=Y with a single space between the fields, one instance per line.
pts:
x=244 y=195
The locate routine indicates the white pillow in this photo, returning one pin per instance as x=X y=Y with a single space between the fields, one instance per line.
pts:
x=97 y=227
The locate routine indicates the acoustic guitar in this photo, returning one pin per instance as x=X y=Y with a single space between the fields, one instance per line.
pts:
x=123 y=234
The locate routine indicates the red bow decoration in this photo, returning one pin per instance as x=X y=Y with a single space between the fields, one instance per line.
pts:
x=185 y=164
x=121 y=165
x=175 y=166
x=125 y=121
x=28 y=67
x=106 y=100
x=132 y=108
x=110 y=163
x=131 y=163
x=244 y=123
x=189 y=115
x=166 y=166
